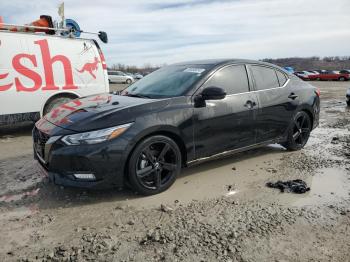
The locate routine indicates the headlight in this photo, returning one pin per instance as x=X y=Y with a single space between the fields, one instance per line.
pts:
x=97 y=136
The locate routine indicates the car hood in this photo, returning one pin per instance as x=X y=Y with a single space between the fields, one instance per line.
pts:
x=101 y=111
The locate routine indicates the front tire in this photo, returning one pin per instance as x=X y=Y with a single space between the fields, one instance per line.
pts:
x=298 y=132
x=128 y=81
x=154 y=165
x=341 y=78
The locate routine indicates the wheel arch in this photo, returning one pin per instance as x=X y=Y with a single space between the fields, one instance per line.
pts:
x=70 y=94
x=307 y=111
x=168 y=132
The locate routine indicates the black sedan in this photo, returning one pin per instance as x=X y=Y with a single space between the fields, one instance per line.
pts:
x=176 y=116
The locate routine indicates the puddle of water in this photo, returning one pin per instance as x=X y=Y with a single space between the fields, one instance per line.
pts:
x=328 y=185
x=222 y=177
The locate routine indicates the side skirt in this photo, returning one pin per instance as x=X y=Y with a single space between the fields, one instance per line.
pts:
x=232 y=152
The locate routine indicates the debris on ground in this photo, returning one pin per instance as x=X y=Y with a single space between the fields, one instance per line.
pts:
x=165 y=208
x=297 y=186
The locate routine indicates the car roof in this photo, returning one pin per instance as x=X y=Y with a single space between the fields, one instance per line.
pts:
x=218 y=62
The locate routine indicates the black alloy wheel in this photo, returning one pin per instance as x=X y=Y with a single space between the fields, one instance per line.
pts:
x=154 y=165
x=299 y=132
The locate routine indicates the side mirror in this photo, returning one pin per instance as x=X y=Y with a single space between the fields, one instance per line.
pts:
x=103 y=37
x=213 y=93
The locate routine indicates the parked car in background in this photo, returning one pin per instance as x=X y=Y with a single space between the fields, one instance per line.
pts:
x=344 y=71
x=289 y=69
x=138 y=76
x=304 y=75
x=119 y=77
x=313 y=72
x=348 y=97
x=176 y=116
x=330 y=75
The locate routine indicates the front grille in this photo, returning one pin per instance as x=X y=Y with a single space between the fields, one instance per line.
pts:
x=40 y=140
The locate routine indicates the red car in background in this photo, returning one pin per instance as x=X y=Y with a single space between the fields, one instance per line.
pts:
x=330 y=75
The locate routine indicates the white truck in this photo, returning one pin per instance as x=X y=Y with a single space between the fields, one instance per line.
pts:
x=39 y=72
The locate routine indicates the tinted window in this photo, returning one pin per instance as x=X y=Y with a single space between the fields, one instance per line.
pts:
x=282 y=79
x=169 y=81
x=233 y=79
x=265 y=77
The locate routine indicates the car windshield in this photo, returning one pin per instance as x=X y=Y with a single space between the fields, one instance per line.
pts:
x=169 y=81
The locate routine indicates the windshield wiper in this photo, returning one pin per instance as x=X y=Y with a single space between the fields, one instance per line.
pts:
x=138 y=95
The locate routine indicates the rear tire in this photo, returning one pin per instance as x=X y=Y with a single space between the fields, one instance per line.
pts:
x=128 y=81
x=341 y=78
x=154 y=165
x=56 y=102
x=298 y=132
x=348 y=102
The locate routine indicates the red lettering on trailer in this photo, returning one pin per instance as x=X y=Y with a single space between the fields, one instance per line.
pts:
x=21 y=69
x=71 y=108
x=48 y=62
x=7 y=86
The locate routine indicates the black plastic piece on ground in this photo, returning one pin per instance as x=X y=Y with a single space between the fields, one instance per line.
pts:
x=297 y=186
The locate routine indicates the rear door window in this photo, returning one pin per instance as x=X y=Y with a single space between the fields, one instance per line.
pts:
x=282 y=79
x=233 y=79
x=265 y=77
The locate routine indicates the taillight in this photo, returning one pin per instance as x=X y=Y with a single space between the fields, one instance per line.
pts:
x=318 y=92
x=103 y=61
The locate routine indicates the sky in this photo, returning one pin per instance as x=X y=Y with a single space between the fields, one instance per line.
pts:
x=167 y=31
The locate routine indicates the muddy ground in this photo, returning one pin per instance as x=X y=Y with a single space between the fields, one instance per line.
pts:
x=217 y=211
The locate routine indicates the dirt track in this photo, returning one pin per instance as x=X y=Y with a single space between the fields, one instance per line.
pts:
x=220 y=210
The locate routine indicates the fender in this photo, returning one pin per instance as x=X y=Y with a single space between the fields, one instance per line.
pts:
x=63 y=92
x=303 y=107
x=153 y=131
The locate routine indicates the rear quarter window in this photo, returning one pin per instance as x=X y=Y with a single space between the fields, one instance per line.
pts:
x=265 y=77
x=282 y=79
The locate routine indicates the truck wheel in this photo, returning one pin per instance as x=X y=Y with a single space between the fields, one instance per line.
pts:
x=341 y=78
x=55 y=102
x=128 y=81
x=318 y=79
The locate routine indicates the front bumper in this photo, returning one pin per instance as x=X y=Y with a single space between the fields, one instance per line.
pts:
x=105 y=160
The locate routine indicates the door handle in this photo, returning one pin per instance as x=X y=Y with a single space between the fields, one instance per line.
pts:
x=292 y=96
x=250 y=104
